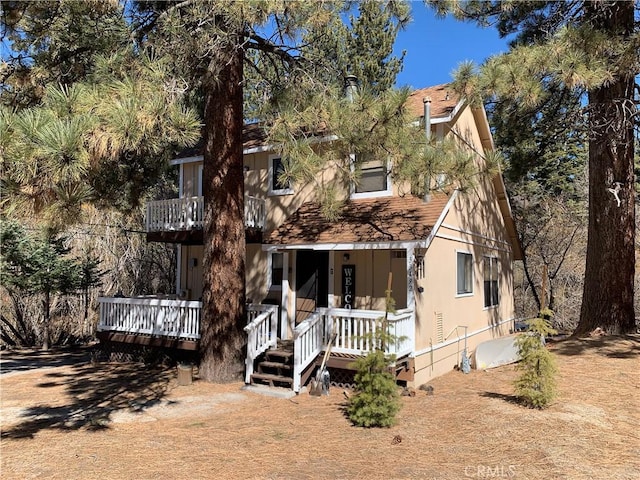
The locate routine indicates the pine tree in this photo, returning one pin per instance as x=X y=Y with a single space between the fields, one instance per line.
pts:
x=536 y=385
x=105 y=141
x=39 y=264
x=591 y=48
x=545 y=151
x=376 y=401
x=370 y=47
x=55 y=42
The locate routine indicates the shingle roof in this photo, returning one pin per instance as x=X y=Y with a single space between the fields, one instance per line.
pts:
x=253 y=135
x=443 y=101
x=385 y=219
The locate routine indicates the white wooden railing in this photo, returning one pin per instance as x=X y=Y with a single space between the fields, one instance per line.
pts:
x=181 y=319
x=262 y=333
x=255 y=212
x=187 y=213
x=182 y=213
x=308 y=340
x=354 y=331
x=151 y=316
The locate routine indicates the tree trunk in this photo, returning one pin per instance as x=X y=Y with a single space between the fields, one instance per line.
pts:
x=607 y=300
x=46 y=304
x=223 y=341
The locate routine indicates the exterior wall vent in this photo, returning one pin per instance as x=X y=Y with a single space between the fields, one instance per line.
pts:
x=439 y=328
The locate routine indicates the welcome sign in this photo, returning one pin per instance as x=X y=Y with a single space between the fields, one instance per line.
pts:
x=348 y=285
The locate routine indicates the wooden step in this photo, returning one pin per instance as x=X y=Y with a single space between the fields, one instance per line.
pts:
x=271 y=379
x=278 y=365
x=283 y=355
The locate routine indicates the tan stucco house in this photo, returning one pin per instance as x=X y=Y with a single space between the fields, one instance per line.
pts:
x=449 y=259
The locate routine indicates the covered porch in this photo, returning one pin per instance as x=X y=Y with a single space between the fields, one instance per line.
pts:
x=352 y=333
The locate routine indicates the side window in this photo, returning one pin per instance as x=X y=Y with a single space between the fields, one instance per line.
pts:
x=276 y=185
x=491 y=294
x=374 y=180
x=276 y=270
x=464 y=273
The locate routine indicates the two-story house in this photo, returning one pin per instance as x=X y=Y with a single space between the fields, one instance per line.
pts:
x=448 y=260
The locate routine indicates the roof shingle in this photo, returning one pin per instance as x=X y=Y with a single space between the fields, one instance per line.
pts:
x=365 y=220
x=443 y=101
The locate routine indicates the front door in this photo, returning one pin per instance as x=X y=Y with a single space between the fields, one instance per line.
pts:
x=312 y=282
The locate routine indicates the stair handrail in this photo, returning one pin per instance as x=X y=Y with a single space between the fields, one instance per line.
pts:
x=308 y=338
x=262 y=334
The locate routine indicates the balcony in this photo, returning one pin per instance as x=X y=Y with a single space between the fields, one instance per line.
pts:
x=172 y=220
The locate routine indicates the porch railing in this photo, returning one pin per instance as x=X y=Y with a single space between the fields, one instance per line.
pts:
x=262 y=333
x=354 y=329
x=151 y=316
x=187 y=213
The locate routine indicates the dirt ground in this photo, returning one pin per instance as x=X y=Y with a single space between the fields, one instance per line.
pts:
x=63 y=418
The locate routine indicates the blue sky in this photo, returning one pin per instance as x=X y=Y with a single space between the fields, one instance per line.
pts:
x=435 y=47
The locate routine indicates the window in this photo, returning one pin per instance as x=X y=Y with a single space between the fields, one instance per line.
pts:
x=464 y=273
x=373 y=181
x=276 y=186
x=490 y=281
x=276 y=270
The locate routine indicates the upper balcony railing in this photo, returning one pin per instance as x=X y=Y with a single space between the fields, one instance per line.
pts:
x=187 y=213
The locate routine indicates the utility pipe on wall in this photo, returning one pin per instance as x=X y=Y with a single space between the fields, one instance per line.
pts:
x=426 y=101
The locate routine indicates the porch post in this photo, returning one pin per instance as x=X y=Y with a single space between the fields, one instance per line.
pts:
x=284 y=302
x=179 y=269
x=410 y=277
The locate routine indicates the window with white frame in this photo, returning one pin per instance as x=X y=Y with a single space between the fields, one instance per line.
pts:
x=276 y=270
x=276 y=185
x=490 y=274
x=373 y=179
x=464 y=276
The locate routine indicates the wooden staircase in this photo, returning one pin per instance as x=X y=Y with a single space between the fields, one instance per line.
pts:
x=276 y=368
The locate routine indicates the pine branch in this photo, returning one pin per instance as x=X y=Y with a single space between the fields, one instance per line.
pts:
x=261 y=44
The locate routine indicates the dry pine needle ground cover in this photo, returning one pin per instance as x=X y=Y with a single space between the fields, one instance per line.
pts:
x=68 y=419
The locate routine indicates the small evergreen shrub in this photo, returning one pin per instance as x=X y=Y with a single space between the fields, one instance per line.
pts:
x=536 y=386
x=376 y=401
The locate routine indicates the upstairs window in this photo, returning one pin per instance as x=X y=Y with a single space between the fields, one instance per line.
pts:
x=491 y=296
x=276 y=185
x=373 y=181
x=464 y=274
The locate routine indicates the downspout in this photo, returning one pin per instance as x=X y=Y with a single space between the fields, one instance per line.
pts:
x=426 y=101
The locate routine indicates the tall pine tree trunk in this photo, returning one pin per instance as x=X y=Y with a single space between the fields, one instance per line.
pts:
x=607 y=300
x=223 y=341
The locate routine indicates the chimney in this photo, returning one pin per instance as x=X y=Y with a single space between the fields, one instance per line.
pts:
x=351 y=87
x=427 y=117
